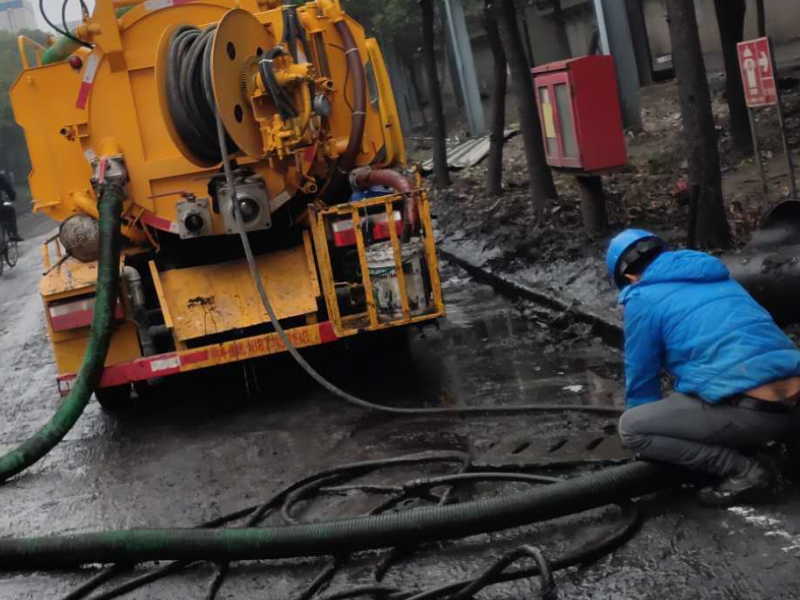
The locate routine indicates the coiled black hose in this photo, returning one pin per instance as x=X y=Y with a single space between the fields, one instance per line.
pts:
x=190 y=95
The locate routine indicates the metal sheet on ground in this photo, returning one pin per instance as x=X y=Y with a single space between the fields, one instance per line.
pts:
x=468 y=153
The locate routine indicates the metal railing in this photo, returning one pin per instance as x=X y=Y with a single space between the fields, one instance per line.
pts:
x=23 y=43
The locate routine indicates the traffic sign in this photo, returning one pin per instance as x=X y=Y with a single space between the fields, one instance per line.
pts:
x=758 y=76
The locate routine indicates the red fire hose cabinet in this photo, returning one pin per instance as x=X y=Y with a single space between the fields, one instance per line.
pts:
x=579 y=107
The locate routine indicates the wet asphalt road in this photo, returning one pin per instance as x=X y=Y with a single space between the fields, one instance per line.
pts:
x=210 y=445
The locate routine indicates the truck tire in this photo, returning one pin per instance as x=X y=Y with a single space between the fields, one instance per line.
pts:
x=115 y=399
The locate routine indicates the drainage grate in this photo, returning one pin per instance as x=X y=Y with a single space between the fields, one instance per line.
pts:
x=525 y=450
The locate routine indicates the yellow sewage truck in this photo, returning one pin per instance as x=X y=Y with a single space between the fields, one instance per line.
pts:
x=340 y=227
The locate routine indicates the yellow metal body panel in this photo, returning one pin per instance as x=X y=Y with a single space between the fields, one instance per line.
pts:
x=71 y=278
x=70 y=346
x=212 y=299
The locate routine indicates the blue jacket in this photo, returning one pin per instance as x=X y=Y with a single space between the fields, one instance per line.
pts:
x=688 y=316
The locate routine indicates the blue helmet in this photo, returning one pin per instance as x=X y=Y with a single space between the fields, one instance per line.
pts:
x=626 y=248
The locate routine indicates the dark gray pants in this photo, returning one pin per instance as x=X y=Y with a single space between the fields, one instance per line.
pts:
x=704 y=437
x=8 y=217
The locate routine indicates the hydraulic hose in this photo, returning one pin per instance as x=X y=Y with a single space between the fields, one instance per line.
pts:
x=337 y=184
x=52 y=433
x=359 y=115
x=66 y=45
x=350 y=535
x=280 y=97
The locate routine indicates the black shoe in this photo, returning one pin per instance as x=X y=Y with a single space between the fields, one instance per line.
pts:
x=14 y=237
x=750 y=485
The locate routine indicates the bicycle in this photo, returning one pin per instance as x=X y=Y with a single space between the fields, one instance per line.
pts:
x=9 y=249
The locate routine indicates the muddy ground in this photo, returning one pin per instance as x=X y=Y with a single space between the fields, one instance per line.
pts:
x=210 y=445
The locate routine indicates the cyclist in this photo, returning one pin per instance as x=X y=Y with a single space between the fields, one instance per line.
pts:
x=8 y=215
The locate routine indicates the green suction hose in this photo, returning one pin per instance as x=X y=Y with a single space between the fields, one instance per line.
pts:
x=34 y=448
x=343 y=536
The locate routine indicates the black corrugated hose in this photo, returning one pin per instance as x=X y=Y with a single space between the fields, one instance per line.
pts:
x=342 y=536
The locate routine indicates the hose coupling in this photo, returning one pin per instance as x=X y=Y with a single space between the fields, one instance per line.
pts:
x=109 y=170
x=359 y=176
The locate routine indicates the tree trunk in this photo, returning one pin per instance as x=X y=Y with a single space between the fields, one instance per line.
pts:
x=494 y=177
x=711 y=228
x=441 y=173
x=564 y=50
x=593 y=204
x=641 y=41
x=730 y=18
x=542 y=188
x=762 y=18
x=411 y=67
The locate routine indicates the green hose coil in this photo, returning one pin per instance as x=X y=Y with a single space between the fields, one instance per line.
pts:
x=343 y=536
x=38 y=445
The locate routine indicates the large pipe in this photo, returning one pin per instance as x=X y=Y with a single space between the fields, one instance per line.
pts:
x=769 y=266
x=338 y=181
x=343 y=536
x=359 y=116
x=366 y=178
x=38 y=445
x=772 y=277
x=135 y=287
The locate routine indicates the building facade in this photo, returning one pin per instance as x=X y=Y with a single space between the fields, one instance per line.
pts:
x=16 y=15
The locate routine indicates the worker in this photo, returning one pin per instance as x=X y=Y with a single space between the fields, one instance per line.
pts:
x=8 y=215
x=736 y=374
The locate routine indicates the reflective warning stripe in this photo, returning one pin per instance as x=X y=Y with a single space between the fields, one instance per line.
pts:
x=161 y=223
x=87 y=81
x=73 y=315
x=172 y=363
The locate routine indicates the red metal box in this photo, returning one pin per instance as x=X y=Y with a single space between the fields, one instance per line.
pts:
x=579 y=107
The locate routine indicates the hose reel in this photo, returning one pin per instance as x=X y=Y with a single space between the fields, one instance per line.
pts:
x=238 y=68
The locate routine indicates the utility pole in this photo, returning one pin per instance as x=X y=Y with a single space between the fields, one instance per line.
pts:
x=616 y=39
x=464 y=65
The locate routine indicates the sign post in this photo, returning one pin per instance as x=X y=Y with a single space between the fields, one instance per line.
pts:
x=758 y=78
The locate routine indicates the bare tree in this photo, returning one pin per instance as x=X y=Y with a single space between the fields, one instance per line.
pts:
x=708 y=227
x=730 y=18
x=494 y=177
x=562 y=40
x=542 y=188
x=441 y=173
x=641 y=41
x=762 y=18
